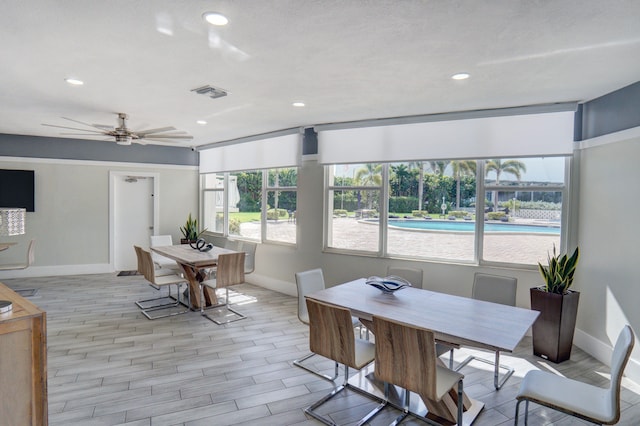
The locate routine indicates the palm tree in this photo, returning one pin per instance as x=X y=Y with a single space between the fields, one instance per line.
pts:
x=401 y=173
x=369 y=175
x=514 y=167
x=438 y=167
x=420 y=166
x=461 y=168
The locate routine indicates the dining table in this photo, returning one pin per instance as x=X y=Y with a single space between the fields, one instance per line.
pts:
x=454 y=320
x=195 y=265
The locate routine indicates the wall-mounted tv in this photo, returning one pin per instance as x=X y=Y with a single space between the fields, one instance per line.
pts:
x=17 y=189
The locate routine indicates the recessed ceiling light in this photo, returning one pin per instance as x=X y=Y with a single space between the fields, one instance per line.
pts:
x=215 y=18
x=460 y=76
x=74 y=81
x=201 y=122
x=298 y=104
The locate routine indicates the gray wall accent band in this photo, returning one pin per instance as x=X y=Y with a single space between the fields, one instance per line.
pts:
x=80 y=149
x=610 y=113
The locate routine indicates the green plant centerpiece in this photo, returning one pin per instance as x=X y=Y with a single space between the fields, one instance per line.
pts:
x=190 y=230
x=558 y=305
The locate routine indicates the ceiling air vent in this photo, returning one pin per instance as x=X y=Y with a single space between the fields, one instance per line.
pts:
x=212 y=92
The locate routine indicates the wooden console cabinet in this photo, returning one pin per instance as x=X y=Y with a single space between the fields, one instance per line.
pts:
x=23 y=363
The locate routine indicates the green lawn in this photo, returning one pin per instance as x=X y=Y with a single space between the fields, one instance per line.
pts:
x=245 y=216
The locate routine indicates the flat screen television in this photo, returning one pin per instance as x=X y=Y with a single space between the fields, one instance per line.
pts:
x=17 y=189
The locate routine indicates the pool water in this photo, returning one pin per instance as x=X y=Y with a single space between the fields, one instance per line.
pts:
x=459 y=226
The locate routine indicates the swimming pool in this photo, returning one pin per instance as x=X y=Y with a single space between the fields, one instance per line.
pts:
x=459 y=226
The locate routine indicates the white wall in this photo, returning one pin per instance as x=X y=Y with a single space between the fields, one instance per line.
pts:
x=71 y=218
x=609 y=236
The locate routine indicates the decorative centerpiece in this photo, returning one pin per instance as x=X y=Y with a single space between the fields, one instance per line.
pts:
x=388 y=284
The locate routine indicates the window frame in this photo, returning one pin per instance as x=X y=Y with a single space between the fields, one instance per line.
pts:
x=567 y=216
x=265 y=188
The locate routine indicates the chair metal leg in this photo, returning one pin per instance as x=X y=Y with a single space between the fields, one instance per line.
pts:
x=146 y=312
x=171 y=302
x=298 y=363
x=239 y=315
x=405 y=409
x=311 y=409
x=526 y=412
x=497 y=381
x=460 y=403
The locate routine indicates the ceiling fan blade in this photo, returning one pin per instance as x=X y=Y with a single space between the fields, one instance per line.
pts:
x=164 y=141
x=73 y=128
x=87 y=124
x=82 y=134
x=188 y=137
x=158 y=130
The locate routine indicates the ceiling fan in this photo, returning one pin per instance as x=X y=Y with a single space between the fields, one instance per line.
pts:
x=125 y=136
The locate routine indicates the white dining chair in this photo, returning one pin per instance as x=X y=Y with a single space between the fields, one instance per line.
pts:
x=496 y=289
x=163 y=263
x=582 y=400
x=308 y=282
x=413 y=275
x=147 y=267
x=406 y=356
x=331 y=336
x=230 y=271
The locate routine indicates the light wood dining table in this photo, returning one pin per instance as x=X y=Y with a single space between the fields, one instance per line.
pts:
x=459 y=321
x=194 y=263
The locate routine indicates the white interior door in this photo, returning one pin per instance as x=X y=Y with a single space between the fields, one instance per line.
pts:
x=133 y=217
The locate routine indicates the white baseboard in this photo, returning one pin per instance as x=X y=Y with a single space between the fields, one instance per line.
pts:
x=272 y=284
x=602 y=352
x=48 y=271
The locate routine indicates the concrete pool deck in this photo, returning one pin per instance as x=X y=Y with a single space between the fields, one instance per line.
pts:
x=349 y=233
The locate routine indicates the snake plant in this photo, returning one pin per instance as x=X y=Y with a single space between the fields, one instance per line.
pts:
x=190 y=229
x=558 y=274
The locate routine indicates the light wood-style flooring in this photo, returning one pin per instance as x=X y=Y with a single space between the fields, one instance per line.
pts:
x=109 y=365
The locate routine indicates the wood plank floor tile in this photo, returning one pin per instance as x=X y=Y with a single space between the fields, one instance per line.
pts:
x=109 y=365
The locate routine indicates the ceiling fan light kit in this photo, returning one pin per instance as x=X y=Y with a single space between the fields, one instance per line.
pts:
x=125 y=136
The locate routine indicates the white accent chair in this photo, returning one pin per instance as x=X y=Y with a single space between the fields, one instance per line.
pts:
x=30 y=259
x=496 y=289
x=308 y=282
x=582 y=400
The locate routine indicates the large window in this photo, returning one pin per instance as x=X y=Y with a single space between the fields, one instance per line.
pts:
x=427 y=202
x=233 y=204
x=354 y=194
x=281 y=197
x=213 y=201
x=524 y=204
x=487 y=211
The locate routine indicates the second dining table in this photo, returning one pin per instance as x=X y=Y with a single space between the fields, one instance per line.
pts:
x=194 y=264
x=459 y=321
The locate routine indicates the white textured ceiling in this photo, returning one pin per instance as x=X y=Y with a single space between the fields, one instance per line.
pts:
x=346 y=59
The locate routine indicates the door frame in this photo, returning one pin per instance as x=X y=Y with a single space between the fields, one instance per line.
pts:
x=113 y=175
